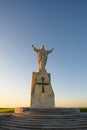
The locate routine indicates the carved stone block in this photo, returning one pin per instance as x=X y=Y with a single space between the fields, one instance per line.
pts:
x=42 y=95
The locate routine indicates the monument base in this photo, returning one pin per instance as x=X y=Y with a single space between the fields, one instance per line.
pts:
x=42 y=95
x=47 y=111
x=44 y=119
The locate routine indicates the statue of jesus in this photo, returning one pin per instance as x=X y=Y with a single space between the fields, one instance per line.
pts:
x=42 y=56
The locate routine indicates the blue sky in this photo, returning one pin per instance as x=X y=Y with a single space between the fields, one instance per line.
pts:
x=58 y=24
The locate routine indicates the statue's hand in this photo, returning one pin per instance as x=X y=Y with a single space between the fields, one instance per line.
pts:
x=33 y=46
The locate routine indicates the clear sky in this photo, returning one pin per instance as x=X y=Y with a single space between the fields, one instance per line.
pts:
x=58 y=24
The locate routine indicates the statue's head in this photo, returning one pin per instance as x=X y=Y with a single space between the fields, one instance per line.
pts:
x=42 y=47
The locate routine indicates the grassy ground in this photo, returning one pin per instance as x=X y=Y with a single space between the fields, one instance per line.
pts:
x=83 y=109
x=5 y=110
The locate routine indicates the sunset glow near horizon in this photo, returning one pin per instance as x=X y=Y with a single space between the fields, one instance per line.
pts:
x=58 y=24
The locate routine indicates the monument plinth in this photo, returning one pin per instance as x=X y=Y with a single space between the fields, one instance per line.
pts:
x=42 y=95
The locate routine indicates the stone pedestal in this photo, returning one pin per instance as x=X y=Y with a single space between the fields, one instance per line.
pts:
x=42 y=95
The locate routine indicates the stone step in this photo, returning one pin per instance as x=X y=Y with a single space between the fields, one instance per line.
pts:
x=35 y=121
x=48 y=110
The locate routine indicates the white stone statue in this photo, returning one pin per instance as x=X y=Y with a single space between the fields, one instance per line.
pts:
x=42 y=56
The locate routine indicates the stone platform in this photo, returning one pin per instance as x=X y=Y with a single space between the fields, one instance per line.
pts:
x=44 y=119
x=47 y=111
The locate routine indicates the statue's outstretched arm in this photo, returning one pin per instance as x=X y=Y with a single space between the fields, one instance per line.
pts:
x=35 y=49
x=49 y=51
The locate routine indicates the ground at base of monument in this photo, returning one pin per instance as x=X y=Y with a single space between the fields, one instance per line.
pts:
x=11 y=110
x=7 y=110
x=54 y=111
x=44 y=119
